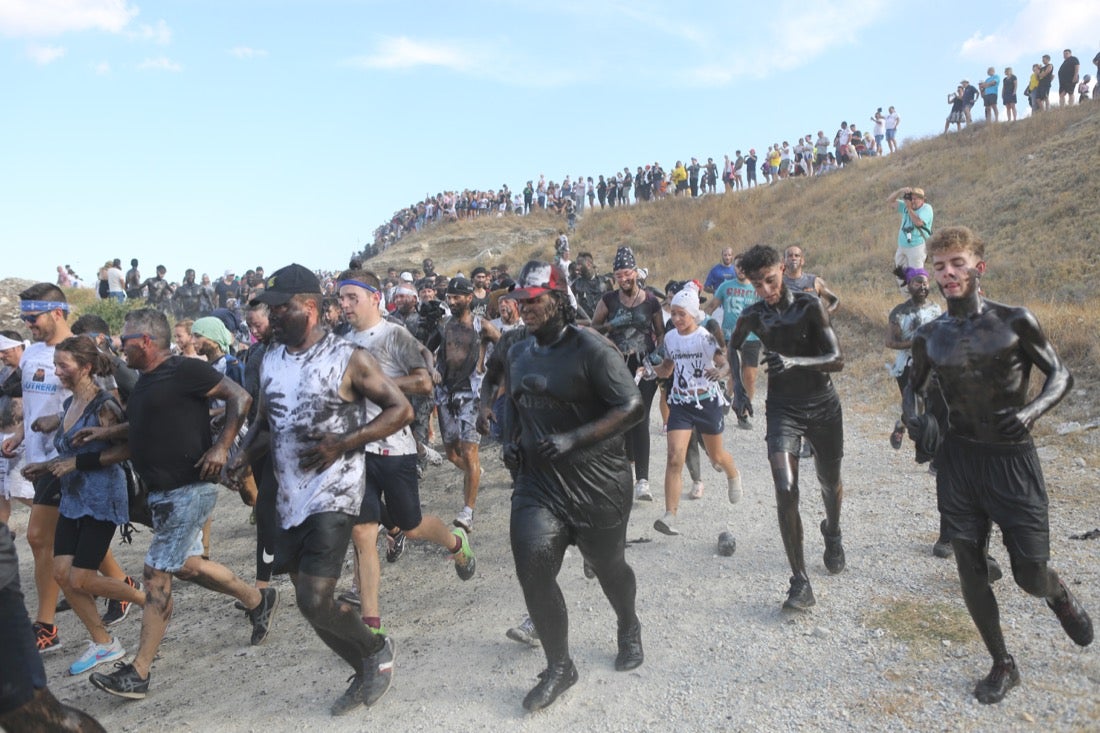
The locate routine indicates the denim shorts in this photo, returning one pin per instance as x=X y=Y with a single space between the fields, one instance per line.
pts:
x=178 y=517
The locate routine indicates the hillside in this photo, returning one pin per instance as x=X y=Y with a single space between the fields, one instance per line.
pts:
x=1029 y=188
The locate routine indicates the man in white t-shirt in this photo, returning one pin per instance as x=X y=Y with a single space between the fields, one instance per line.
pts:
x=893 y=119
x=44 y=308
x=392 y=486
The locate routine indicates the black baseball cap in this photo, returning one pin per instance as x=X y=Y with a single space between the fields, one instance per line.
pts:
x=460 y=286
x=287 y=282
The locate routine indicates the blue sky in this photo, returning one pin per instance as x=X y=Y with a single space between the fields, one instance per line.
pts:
x=233 y=133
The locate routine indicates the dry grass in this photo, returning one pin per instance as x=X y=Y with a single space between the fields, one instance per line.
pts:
x=925 y=625
x=1029 y=188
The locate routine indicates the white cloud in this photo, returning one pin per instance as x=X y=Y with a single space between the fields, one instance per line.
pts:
x=43 y=55
x=46 y=18
x=102 y=68
x=161 y=63
x=159 y=33
x=405 y=53
x=244 y=52
x=1039 y=27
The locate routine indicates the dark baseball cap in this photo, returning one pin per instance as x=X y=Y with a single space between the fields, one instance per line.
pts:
x=287 y=282
x=460 y=286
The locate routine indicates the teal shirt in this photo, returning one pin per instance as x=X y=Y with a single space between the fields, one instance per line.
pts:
x=735 y=296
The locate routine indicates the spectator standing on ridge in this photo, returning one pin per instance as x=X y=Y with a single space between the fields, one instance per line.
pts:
x=116 y=281
x=958 y=113
x=893 y=121
x=693 y=176
x=879 y=129
x=989 y=89
x=133 y=281
x=750 y=168
x=915 y=229
x=970 y=97
x=1068 y=76
x=1045 y=76
x=1008 y=94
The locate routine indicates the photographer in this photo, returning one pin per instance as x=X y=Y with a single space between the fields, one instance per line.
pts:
x=916 y=227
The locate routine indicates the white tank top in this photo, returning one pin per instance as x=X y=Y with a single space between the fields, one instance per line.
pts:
x=301 y=392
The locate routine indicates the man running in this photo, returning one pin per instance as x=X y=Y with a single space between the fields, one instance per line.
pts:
x=570 y=401
x=794 y=260
x=987 y=470
x=169 y=425
x=391 y=461
x=317 y=390
x=800 y=352
x=461 y=361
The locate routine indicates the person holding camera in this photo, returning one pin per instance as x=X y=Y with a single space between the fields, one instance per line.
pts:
x=916 y=227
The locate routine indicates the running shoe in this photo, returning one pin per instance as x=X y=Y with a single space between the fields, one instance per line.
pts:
x=943 y=548
x=465 y=519
x=1075 y=621
x=897 y=436
x=665 y=524
x=641 y=490
x=350 y=597
x=123 y=682
x=46 y=637
x=395 y=546
x=800 y=596
x=433 y=456
x=552 y=682
x=1001 y=678
x=834 y=550
x=696 y=490
x=263 y=615
x=733 y=488
x=465 y=563
x=743 y=422
x=95 y=655
x=630 y=648
x=63 y=605
x=118 y=610
x=352 y=697
x=525 y=633
x=378 y=672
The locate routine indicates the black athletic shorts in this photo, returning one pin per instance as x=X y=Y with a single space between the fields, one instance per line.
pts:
x=315 y=547
x=817 y=419
x=47 y=490
x=392 y=479
x=978 y=483
x=87 y=539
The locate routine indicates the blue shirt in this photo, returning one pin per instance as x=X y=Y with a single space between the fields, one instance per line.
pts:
x=924 y=211
x=718 y=275
x=735 y=296
x=991 y=85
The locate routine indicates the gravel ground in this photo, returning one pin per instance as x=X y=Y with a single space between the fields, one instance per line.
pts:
x=888 y=646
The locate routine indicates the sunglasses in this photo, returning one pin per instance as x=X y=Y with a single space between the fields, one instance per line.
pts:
x=130 y=336
x=32 y=318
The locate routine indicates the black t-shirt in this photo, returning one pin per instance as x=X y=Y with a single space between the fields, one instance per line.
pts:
x=1066 y=71
x=556 y=389
x=170 y=422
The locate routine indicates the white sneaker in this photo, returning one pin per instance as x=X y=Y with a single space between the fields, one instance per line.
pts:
x=434 y=457
x=666 y=524
x=696 y=490
x=95 y=655
x=465 y=519
x=641 y=490
x=733 y=486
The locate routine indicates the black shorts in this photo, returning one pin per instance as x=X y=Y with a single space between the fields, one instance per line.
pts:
x=817 y=419
x=990 y=100
x=47 y=490
x=315 y=547
x=87 y=539
x=707 y=418
x=750 y=353
x=978 y=483
x=392 y=479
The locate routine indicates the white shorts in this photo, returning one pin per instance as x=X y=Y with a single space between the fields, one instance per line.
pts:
x=907 y=257
x=12 y=483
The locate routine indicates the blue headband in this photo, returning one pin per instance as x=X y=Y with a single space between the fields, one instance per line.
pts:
x=41 y=306
x=357 y=283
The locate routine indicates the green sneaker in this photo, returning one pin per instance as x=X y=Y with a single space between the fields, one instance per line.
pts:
x=465 y=563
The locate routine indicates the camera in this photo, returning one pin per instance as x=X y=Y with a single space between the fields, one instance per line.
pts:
x=908 y=196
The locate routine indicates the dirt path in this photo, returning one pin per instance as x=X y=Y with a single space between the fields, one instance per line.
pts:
x=889 y=644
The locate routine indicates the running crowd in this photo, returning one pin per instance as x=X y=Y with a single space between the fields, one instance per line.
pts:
x=810 y=155
x=322 y=424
